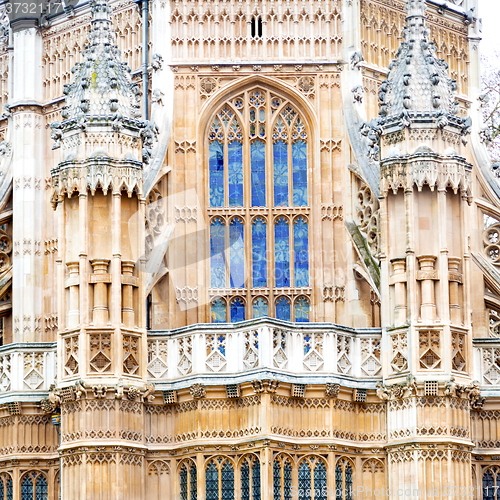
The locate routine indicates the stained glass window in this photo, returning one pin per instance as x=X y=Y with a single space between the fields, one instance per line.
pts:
x=339 y=486
x=216 y=172
x=348 y=483
x=237 y=310
x=41 y=489
x=2 y=491
x=236 y=253
x=193 y=482
x=259 y=252
x=280 y=169
x=218 y=311
x=217 y=253
x=245 y=481
x=27 y=488
x=299 y=162
x=488 y=486
x=256 y=480
x=282 y=252
x=301 y=252
x=9 y=493
x=260 y=308
x=304 y=481
x=184 y=483
x=283 y=310
x=302 y=310
x=277 y=480
x=287 y=481
x=258 y=168
x=235 y=173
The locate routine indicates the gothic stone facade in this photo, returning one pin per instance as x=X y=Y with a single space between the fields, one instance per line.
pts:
x=284 y=282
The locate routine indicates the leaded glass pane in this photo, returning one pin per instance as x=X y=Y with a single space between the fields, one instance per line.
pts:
x=41 y=489
x=320 y=490
x=216 y=173
x=227 y=480
x=9 y=490
x=277 y=480
x=301 y=252
x=235 y=173
x=260 y=307
x=245 y=481
x=280 y=173
x=27 y=489
x=302 y=310
x=287 y=481
x=194 y=483
x=488 y=486
x=184 y=483
x=218 y=311
x=299 y=172
x=237 y=310
x=283 y=310
x=217 y=259
x=304 y=481
x=348 y=483
x=2 y=490
x=338 y=482
x=256 y=480
x=259 y=252
x=258 y=168
x=212 y=482
x=236 y=254
x=282 y=252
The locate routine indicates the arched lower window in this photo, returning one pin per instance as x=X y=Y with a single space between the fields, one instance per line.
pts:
x=188 y=481
x=218 y=310
x=250 y=478
x=343 y=480
x=283 y=309
x=312 y=479
x=491 y=483
x=258 y=191
x=260 y=307
x=237 y=310
x=301 y=307
x=282 y=478
x=219 y=479
x=34 y=486
x=5 y=487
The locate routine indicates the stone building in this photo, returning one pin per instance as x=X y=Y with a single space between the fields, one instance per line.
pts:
x=256 y=257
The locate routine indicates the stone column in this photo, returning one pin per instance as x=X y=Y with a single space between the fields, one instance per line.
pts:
x=455 y=280
x=100 y=278
x=72 y=283
x=128 y=279
x=427 y=275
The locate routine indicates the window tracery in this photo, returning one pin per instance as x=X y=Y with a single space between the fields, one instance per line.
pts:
x=219 y=479
x=343 y=480
x=188 y=481
x=34 y=486
x=282 y=478
x=264 y=246
x=5 y=486
x=312 y=479
x=250 y=478
x=491 y=483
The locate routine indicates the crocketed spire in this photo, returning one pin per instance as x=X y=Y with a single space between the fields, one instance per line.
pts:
x=102 y=90
x=418 y=83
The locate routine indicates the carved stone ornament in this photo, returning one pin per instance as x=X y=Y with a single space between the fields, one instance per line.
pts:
x=156 y=62
x=397 y=391
x=332 y=390
x=133 y=393
x=99 y=391
x=265 y=386
x=197 y=391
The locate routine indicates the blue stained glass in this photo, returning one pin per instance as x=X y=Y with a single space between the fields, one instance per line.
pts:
x=256 y=480
x=9 y=490
x=301 y=252
x=287 y=481
x=280 y=169
x=259 y=252
x=302 y=310
x=27 y=489
x=282 y=252
x=216 y=173
x=41 y=492
x=212 y=482
x=1 y=490
x=184 y=483
x=338 y=482
x=283 y=310
x=218 y=311
x=258 y=168
x=348 y=483
x=217 y=259
x=237 y=310
x=260 y=307
x=304 y=481
x=488 y=486
x=236 y=254
x=320 y=488
x=227 y=482
x=299 y=173
x=235 y=173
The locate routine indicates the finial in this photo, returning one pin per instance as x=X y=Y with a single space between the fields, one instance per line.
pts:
x=415 y=20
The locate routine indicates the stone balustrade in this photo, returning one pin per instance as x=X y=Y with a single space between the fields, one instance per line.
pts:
x=236 y=352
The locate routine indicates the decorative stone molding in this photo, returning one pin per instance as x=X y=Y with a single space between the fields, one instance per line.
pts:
x=197 y=391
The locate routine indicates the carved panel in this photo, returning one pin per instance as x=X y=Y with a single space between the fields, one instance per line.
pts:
x=131 y=354
x=71 y=355
x=430 y=350
x=157 y=358
x=100 y=352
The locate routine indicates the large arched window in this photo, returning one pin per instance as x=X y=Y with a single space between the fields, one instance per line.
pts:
x=219 y=479
x=188 y=481
x=258 y=192
x=491 y=483
x=34 y=486
x=5 y=486
x=282 y=478
x=250 y=478
x=312 y=479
